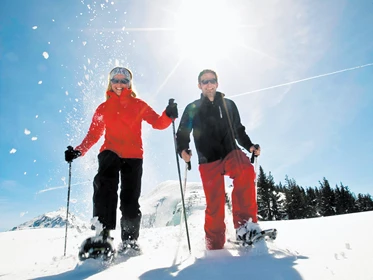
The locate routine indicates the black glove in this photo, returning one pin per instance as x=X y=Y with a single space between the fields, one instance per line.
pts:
x=171 y=109
x=256 y=146
x=71 y=154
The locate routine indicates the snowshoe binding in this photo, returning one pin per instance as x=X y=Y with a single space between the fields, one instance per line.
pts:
x=250 y=233
x=263 y=234
x=98 y=247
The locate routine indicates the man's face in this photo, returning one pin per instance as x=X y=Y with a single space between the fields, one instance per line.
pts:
x=208 y=84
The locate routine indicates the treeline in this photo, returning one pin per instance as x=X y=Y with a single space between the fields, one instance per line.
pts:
x=291 y=201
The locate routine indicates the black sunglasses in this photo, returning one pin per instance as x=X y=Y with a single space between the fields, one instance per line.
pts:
x=212 y=81
x=117 y=81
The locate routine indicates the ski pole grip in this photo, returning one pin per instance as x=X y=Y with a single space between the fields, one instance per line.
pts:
x=256 y=146
x=171 y=101
x=253 y=158
x=189 y=163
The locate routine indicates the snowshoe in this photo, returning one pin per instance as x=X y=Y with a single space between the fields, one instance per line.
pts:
x=97 y=247
x=267 y=233
x=254 y=236
x=129 y=246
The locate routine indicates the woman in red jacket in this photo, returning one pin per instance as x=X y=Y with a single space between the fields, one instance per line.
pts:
x=119 y=119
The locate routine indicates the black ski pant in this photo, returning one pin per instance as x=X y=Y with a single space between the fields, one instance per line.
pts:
x=105 y=193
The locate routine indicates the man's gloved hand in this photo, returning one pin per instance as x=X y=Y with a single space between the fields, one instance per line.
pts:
x=255 y=150
x=71 y=154
x=171 y=109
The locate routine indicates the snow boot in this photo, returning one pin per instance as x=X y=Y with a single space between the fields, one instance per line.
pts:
x=129 y=248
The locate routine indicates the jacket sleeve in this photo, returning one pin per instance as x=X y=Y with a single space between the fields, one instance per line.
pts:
x=155 y=120
x=96 y=130
x=239 y=130
x=184 y=130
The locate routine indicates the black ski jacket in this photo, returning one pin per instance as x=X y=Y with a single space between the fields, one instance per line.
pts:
x=216 y=127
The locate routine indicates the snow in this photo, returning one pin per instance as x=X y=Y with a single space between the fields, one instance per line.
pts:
x=337 y=247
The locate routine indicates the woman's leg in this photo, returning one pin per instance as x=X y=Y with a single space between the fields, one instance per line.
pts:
x=131 y=174
x=105 y=188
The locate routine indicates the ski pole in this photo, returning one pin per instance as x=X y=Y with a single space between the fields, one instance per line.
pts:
x=188 y=166
x=254 y=160
x=256 y=177
x=181 y=185
x=184 y=191
x=67 y=208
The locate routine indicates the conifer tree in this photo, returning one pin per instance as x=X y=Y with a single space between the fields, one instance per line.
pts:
x=295 y=199
x=364 y=202
x=312 y=207
x=345 y=200
x=281 y=201
x=271 y=202
x=263 y=199
x=328 y=204
x=277 y=200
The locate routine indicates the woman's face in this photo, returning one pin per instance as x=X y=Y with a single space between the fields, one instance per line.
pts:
x=118 y=83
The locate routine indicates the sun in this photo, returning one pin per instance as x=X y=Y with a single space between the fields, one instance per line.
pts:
x=208 y=29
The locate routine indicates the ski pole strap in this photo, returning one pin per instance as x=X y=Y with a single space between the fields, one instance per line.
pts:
x=256 y=146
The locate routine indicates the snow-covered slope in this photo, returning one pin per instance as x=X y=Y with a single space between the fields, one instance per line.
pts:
x=163 y=206
x=337 y=247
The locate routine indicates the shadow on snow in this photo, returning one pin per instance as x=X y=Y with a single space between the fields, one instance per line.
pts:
x=85 y=269
x=223 y=265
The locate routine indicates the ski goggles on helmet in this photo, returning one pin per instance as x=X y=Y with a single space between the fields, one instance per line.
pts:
x=119 y=81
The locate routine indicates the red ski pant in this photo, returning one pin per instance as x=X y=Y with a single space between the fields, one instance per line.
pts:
x=237 y=166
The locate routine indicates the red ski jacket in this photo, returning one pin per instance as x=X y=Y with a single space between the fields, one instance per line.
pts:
x=120 y=118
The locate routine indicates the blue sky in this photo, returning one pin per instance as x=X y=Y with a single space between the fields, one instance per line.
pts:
x=55 y=57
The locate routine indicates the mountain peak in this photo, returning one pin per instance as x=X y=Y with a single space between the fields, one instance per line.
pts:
x=54 y=219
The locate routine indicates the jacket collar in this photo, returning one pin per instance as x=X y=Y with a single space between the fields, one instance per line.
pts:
x=218 y=97
x=126 y=93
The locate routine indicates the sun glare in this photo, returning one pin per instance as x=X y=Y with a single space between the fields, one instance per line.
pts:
x=208 y=29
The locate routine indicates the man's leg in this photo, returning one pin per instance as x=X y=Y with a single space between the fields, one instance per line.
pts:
x=244 y=206
x=105 y=188
x=131 y=174
x=213 y=186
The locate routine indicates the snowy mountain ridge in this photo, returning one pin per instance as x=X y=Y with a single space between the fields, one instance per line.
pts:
x=161 y=207
x=54 y=219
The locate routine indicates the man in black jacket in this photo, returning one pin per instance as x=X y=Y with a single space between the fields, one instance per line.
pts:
x=216 y=126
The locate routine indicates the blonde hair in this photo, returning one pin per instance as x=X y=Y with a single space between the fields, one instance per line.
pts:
x=133 y=94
